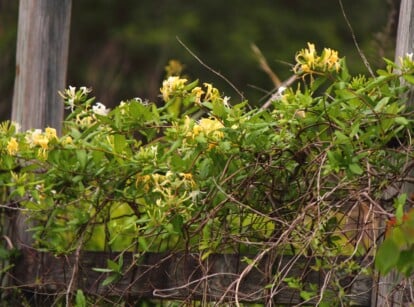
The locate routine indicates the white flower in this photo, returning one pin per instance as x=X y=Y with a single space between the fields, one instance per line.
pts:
x=85 y=90
x=409 y=55
x=71 y=92
x=143 y=102
x=17 y=127
x=32 y=137
x=279 y=93
x=71 y=104
x=226 y=101
x=100 y=109
x=281 y=89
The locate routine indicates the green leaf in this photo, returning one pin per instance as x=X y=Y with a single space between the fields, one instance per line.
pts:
x=355 y=169
x=405 y=263
x=387 y=256
x=177 y=223
x=399 y=207
x=409 y=78
x=306 y=295
x=110 y=279
x=82 y=158
x=102 y=270
x=143 y=244
x=80 y=299
x=205 y=168
x=342 y=138
x=381 y=104
x=119 y=143
x=113 y=265
x=401 y=121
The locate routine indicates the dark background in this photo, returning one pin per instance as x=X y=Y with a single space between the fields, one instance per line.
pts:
x=120 y=48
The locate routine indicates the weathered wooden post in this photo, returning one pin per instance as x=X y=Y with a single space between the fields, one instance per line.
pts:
x=386 y=293
x=41 y=64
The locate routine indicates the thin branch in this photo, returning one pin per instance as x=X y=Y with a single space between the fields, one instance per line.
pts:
x=265 y=66
x=211 y=69
x=276 y=93
x=362 y=55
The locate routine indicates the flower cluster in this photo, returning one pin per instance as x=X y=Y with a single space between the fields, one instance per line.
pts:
x=12 y=146
x=177 y=87
x=170 y=190
x=32 y=139
x=73 y=97
x=37 y=138
x=172 y=85
x=210 y=127
x=308 y=61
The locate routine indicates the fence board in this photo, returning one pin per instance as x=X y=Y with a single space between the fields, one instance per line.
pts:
x=173 y=276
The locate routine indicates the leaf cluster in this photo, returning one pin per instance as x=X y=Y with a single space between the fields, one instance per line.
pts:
x=208 y=175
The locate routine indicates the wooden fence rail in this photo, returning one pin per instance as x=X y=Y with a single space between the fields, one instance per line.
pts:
x=175 y=276
x=40 y=72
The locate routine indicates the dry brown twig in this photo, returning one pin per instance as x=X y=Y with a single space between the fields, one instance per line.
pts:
x=279 y=85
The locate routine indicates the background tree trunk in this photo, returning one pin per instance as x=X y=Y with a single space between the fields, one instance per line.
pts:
x=41 y=64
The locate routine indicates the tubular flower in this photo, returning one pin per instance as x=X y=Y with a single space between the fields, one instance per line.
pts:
x=212 y=93
x=67 y=140
x=211 y=128
x=330 y=60
x=72 y=96
x=84 y=120
x=12 y=146
x=32 y=137
x=188 y=179
x=197 y=92
x=50 y=133
x=308 y=61
x=172 y=85
x=100 y=109
x=41 y=139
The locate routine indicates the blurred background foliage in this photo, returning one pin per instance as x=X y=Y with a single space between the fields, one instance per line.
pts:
x=121 y=48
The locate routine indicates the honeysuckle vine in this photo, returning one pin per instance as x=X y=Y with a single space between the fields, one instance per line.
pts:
x=200 y=172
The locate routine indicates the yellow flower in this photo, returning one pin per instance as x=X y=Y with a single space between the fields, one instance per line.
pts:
x=43 y=141
x=12 y=146
x=330 y=59
x=84 y=120
x=212 y=93
x=144 y=180
x=50 y=133
x=188 y=179
x=171 y=85
x=197 y=92
x=209 y=127
x=308 y=61
x=67 y=140
x=32 y=137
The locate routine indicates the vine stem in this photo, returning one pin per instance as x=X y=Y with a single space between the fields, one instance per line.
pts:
x=211 y=69
x=74 y=271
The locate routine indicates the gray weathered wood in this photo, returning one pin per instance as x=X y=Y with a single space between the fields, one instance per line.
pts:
x=386 y=291
x=405 y=37
x=41 y=62
x=175 y=276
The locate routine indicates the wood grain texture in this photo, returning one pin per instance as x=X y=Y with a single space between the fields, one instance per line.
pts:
x=177 y=276
x=41 y=62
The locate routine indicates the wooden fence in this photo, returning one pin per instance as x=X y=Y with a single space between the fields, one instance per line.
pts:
x=178 y=276
x=43 y=38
